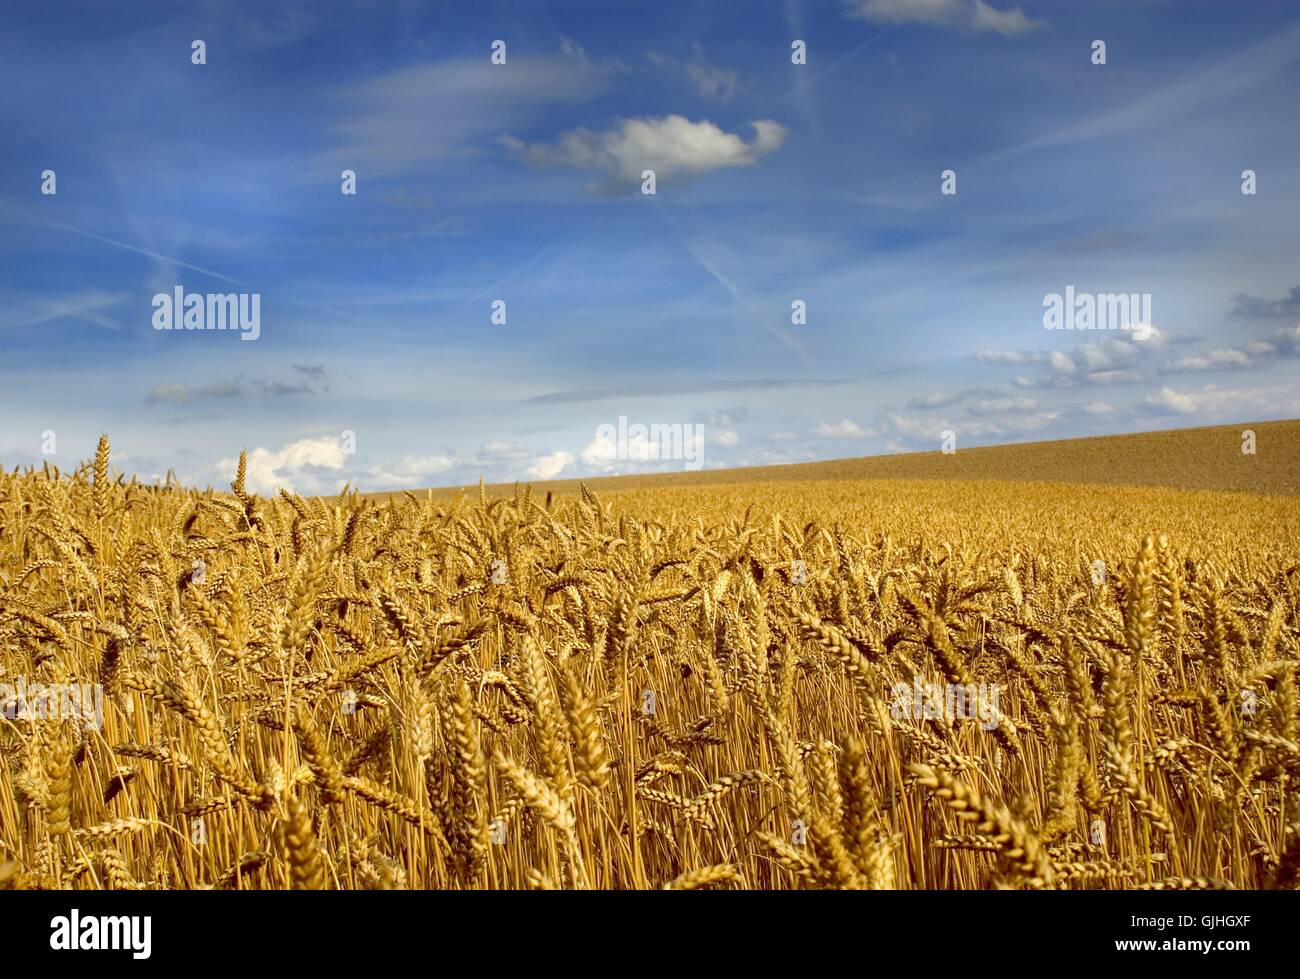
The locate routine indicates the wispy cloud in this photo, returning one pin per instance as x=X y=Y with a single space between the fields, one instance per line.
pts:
x=709 y=81
x=411 y=116
x=89 y=306
x=970 y=15
x=1199 y=88
x=681 y=387
x=174 y=393
x=121 y=244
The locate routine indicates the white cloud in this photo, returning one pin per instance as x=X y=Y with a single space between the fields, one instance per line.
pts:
x=409 y=472
x=646 y=448
x=727 y=417
x=998 y=406
x=1285 y=343
x=1010 y=356
x=904 y=432
x=937 y=12
x=1061 y=363
x=1214 y=360
x=1108 y=359
x=572 y=49
x=1142 y=332
x=1012 y=21
x=319 y=466
x=972 y=15
x=550 y=465
x=1035 y=422
x=1217 y=403
x=88 y=305
x=936 y=399
x=727 y=439
x=602 y=452
x=920 y=429
x=293 y=467
x=1176 y=401
x=709 y=80
x=1099 y=408
x=497 y=452
x=845 y=429
x=416 y=113
x=672 y=146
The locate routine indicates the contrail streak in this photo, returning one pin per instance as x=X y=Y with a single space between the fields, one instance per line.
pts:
x=121 y=244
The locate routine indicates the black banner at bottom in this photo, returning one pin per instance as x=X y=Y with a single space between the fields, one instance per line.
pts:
x=150 y=929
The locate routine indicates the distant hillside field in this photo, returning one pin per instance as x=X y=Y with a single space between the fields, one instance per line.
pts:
x=1190 y=458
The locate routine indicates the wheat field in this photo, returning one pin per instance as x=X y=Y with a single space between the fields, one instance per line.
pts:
x=677 y=687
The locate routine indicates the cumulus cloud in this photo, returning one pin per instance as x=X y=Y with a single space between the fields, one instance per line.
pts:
x=320 y=466
x=1060 y=363
x=727 y=438
x=1284 y=343
x=408 y=472
x=1214 y=360
x=971 y=15
x=674 y=147
x=512 y=460
x=1171 y=400
x=602 y=451
x=1126 y=356
x=550 y=465
x=1217 y=403
x=645 y=447
x=905 y=432
x=297 y=467
x=844 y=429
x=1099 y=408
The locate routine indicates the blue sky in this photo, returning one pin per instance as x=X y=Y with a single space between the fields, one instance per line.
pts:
x=520 y=182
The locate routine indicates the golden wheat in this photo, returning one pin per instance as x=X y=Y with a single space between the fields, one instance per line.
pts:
x=674 y=688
